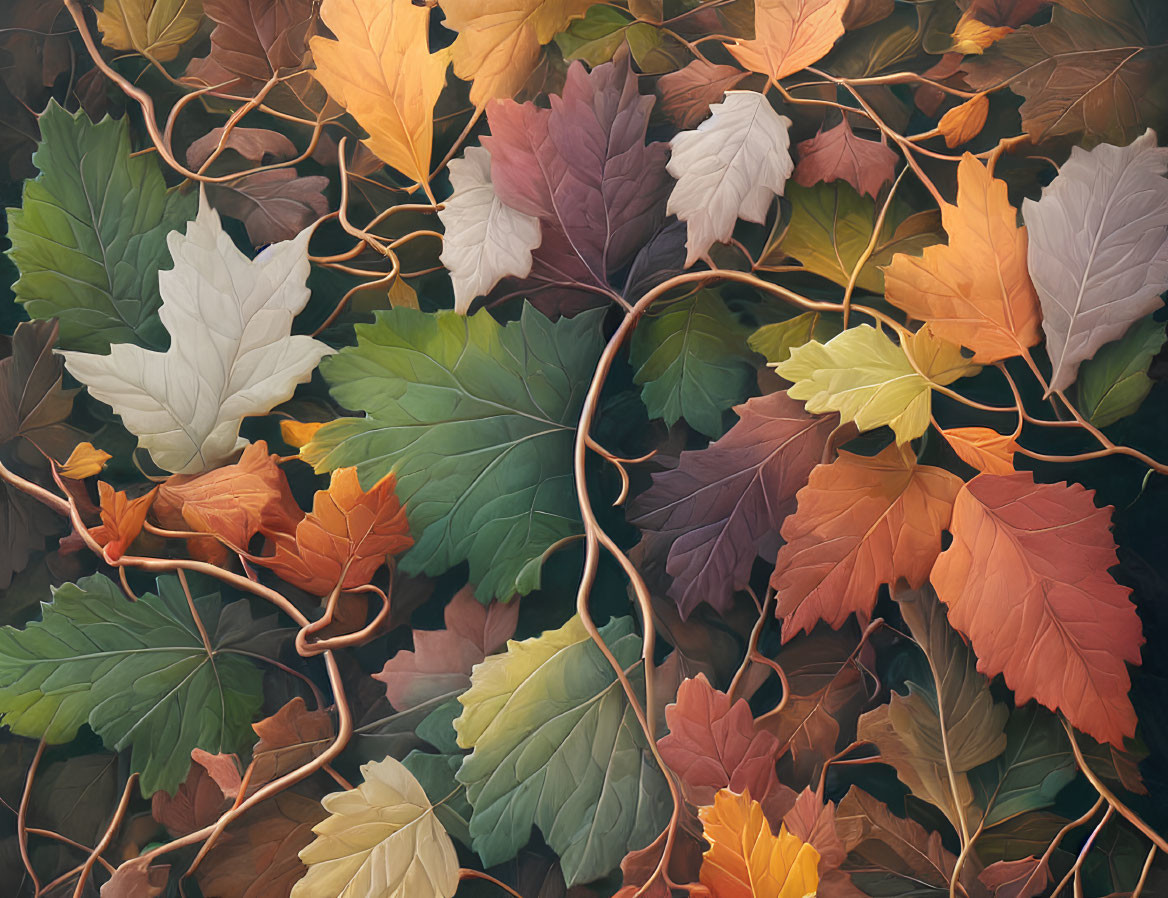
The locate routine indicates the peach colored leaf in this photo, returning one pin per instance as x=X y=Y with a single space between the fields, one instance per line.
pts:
x=688 y=94
x=1099 y=249
x=860 y=522
x=713 y=744
x=498 y=40
x=979 y=447
x=381 y=70
x=121 y=519
x=964 y=122
x=714 y=510
x=838 y=154
x=746 y=859
x=234 y=502
x=813 y=820
x=344 y=539
x=441 y=662
x=222 y=768
x=291 y=737
x=976 y=291
x=84 y=461
x=1026 y=581
x=790 y=35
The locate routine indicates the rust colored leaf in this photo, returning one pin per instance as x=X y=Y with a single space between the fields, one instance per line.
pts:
x=1026 y=580
x=976 y=291
x=790 y=35
x=198 y=802
x=223 y=770
x=1025 y=878
x=344 y=539
x=687 y=94
x=136 y=880
x=713 y=744
x=715 y=509
x=234 y=502
x=860 y=522
x=291 y=737
x=838 y=154
x=684 y=865
x=441 y=661
x=964 y=122
x=121 y=519
x=982 y=448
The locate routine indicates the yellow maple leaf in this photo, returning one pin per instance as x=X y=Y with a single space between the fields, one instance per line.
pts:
x=154 y=28
x=977 y=290
x=746 y=860
x=380 y=69
x=498 y=40
x=790 y=35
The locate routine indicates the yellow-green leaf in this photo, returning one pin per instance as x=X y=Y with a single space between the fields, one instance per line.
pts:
x=154 y=28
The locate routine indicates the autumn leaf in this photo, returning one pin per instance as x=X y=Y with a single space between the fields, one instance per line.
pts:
x=1099 y=249
x=732 y=166
x=746 y=859
x=712 y=512
x=344 y=539
x=838 y=154
x=441 y=662
x=1026 y=581
x=34 y=405
x=860 y=523
x=299 y=433
x=979 y=447
x=121 y=519
x=714 y=744
x=972 y=36
x=252 y=144
x=273 y=205
x=790 y=35
x=136 y=880
x=380 y=839
x=220 y=302
x=291 y=737
x=84 y=461
x=870 y=380
x=154 y=28
x=380 y=70
x=976 y=291
x=964 y=121
x=688 y=93
x=498 y=40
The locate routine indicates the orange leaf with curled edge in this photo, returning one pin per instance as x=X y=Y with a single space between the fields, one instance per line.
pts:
x=234 y=502
x=1026 y=581
x=982 y=448
x=121 y=519
x=746 y=859
x=860 y=522
x=84 y=461
x=976 y=291
x=344 y=539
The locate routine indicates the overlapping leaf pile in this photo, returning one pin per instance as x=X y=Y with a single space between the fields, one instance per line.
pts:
x=573 y=448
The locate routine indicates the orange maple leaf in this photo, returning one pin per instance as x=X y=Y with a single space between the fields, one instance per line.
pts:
x=746 y=859
x=1026 y=581
x=121 y=519
x=982 y=448
x=344 y=539
x=975 y=291
x=859 y=522
x=790 y=35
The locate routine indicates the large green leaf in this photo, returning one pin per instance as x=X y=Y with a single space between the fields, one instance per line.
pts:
x=90 y=236
x=556 y=744
x=1029 y=776
x=1114 y=383
x=138 y=673
x=831 y=226
x=692 y=362
x=477 y=420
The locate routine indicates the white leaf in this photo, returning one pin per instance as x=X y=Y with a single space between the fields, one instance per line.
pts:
x=231 y=353
x=731 y=167
x=381 y=840
x=1099 y=248
x=485 y=240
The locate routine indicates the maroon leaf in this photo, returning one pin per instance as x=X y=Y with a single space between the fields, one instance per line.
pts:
x=715 y=509
x=1010 y=13
x=1016 y=879
x=687 y=94
x=250 y=143
x=273 y=205
x=838 y=154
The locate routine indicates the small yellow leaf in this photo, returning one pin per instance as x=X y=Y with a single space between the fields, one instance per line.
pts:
x=498 y=40
x=299 y=433
x=939 y=360
x=402 y=295
x=84 y=461
x=972 y=36
x=154 y=28
x=747 y=860
x=380 y=69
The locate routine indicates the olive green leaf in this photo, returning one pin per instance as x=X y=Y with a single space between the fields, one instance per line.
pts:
x=1114 y=383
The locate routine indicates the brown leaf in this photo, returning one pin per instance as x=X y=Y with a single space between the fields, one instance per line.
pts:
x=1025 y=878
x=251 y=143
x=861 y=13
x=273 y=205
x=684 y=864
x=198 y=802
x=291 y=737
x=252 y=40
x=223 y=769
x=33 y=404
x=714 y=510
x=687 y=94
x=441 y=662
x=133 y=879
x=838 y=154
x=1010 y=13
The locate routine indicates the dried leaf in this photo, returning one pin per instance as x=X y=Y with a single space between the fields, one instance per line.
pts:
x=252 y=41
x=154 y=28
x=838 y=154
x=291 y=737
x=273 y=205
x=1025 y=878
x=252 y=144
x=135 y=880
x=790 y=35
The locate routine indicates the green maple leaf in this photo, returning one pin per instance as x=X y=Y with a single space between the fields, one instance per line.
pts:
x=90 y=235
x=138 y=673
x=557 y=745
x=477 y=420
x=692 y=362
